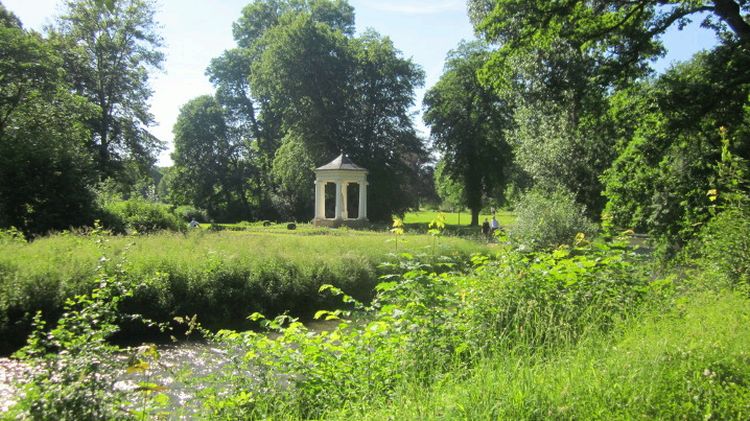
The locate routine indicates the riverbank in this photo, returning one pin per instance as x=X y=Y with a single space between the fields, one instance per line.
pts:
x=221 y=277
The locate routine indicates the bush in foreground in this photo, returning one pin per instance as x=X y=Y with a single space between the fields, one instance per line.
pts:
x=549 y=218
x=722 y=248
x=140 y=216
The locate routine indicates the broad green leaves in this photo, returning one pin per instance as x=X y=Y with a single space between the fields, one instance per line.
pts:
x=45 y=166
x=210 y=170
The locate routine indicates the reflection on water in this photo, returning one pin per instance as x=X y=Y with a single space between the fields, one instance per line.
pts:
x=176 y=369
x=10 y=371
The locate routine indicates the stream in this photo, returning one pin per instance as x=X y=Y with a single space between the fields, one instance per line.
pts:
x=199 y=357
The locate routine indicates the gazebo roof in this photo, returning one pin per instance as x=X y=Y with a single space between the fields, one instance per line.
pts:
x=342 y=162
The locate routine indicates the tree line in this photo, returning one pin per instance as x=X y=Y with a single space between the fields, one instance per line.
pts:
x=555 y=99
x=297 y=89
x=74 y=111
x=560 y=97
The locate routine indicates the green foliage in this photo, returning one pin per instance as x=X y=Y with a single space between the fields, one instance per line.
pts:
x=220 y=276
x=732 y=181
x=73 y=369
x=397 y=229
x=422 y=328
x=141 y=216
x=109 y=48
x=722 y=249
x=688 y=362
x=467 y=123
x=293 y=172
x=188 y=213
x=578 y=332
x=681 y=136
x=619 y=37
x=45 y=168
x=548 y=218
x=209 y=170
x=564 y=143
x=300 y=82
x=556 y=89
x=11 y=235
x=450 y=192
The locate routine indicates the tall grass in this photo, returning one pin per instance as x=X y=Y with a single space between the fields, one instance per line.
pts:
x=222 y=277
x=691 y=362
x=424 y=328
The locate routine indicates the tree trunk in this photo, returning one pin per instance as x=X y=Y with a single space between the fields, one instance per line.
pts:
x=475 y=216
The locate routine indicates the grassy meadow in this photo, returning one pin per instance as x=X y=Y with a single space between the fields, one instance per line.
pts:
x=221 y=276
x=686 y=362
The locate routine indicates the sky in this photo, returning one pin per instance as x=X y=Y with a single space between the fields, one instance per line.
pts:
x=195 y=31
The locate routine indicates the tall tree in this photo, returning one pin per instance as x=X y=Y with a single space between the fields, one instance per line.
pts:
x=231 y=72
x=45 y=167
x=381 y=134
x=558 y=84
x=468 y=123
x=209 y=170
x=109 y=49
x=299 y=75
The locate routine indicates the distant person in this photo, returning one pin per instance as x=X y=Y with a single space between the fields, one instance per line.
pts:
x=193 y=223
x=486 y=227
x=494 y=225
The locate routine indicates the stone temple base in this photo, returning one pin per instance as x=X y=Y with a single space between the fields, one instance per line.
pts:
x=335 y=223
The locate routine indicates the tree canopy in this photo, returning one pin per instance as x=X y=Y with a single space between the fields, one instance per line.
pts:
x=109 y=47
x=45 y=167
x=210 y=172
x=300 y=82
x=620 y=35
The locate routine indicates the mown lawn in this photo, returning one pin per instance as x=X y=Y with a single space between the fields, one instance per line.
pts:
x=505 y=218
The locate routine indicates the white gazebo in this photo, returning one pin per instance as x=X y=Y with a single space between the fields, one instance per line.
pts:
x=343 y=173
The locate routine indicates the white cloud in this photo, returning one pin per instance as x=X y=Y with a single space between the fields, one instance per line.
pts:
x=421 y=7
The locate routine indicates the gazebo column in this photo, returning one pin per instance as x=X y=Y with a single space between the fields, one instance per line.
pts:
x=345 y=200
x=362 y=200
x=339 y=203
x=317 y=199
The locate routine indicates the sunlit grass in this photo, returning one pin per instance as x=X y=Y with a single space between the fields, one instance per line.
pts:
x=505 y=218
x=688 y=363
x=223 y=276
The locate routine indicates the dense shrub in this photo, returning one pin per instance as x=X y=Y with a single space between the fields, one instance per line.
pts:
x=722 y=248
x=140 y=216
x=550 y=299
x=188 y=213
x=549 y=218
